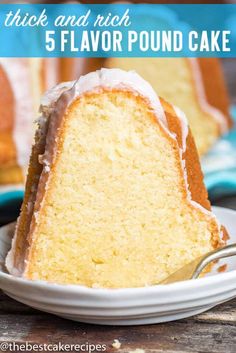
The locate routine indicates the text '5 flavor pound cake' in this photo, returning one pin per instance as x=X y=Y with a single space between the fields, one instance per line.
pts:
x=118 y=198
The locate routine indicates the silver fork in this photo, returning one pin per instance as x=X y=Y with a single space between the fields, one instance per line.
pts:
x=194 y=268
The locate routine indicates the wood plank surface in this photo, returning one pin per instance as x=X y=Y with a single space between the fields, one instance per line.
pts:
x=212 y=331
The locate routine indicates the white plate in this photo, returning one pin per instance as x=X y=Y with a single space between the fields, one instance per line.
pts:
x=133 y=306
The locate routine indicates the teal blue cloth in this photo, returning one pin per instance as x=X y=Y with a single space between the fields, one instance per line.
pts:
x=10 y=196
x=219 y=165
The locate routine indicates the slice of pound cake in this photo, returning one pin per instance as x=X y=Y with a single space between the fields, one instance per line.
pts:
x=115 y=194
x=195 y=85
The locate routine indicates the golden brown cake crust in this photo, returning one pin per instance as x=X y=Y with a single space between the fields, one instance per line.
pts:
x=43 y=76
x=72 y=68
x=27 y=208
x=11 y=175
x=67 y=69
x=7 y=150
x=7 y=146
x=215 y=89
x=194 y=173
x=6 y=103
x=195 y=176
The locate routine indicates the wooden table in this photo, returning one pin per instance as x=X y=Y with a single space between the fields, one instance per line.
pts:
x=213 y=331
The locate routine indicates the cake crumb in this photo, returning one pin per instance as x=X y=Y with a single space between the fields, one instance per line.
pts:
x=116 y=344
x=138 y=350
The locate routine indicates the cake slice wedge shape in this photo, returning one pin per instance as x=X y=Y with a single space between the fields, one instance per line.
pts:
x=114 y=195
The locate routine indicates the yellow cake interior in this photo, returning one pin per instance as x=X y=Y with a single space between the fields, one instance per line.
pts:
x=115 y=211
x=173 y=80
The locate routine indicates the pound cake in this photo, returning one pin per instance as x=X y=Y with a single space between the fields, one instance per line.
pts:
x=114 y=195
x=195 y=85
x=22 y=82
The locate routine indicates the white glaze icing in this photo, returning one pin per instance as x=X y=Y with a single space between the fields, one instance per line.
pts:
x=207 y=108
x=9 y=261
x=189 y=196
x=18 y=74
x=184 y=126
x=110 y=78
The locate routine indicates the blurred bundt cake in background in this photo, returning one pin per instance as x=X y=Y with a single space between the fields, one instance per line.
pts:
x=22 y=82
